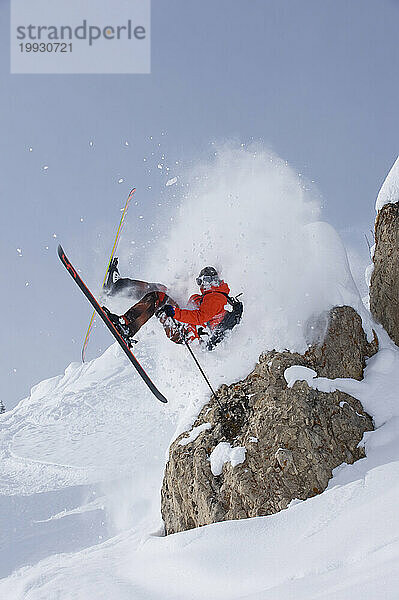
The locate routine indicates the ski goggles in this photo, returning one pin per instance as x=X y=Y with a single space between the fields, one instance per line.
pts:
x=206 y=280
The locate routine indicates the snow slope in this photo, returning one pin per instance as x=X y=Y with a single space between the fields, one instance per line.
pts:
x=82 y=458
x=84 y=486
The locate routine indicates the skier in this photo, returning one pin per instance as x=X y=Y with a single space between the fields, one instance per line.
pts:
x=207 y=316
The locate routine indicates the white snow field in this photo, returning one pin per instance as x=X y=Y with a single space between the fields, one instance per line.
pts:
x=82 y=458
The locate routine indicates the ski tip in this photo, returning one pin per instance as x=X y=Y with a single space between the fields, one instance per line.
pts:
x=60 y=250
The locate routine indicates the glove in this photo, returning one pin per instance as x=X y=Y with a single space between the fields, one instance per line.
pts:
x=201 y=331
x=169 y=310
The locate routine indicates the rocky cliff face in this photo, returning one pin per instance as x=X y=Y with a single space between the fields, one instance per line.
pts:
x=266 y=444
x=384 y=286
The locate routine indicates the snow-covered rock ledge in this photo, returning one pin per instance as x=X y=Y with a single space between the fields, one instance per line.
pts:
x=273 y=442
x=383 y=274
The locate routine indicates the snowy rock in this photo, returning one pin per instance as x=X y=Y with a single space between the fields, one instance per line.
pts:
x=344 y=345
x=302 y=434
x=368 y=273
x=292 y=374
x=224 y=453
x=194 y=433
x=285 y=460
x=389 y=192
x=384 y=285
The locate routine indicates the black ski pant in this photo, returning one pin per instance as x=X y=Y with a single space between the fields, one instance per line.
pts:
x=151 y=297
x=131 y=287
x=152 y=304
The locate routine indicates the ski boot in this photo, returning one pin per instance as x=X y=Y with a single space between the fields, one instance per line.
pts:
x=112 y=274
x=120 y=325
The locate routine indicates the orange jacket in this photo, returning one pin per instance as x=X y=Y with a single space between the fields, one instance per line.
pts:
x=209 y=307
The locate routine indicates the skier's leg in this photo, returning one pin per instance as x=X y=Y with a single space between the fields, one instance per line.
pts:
x=115 y=284
x=144 y=309
x=130 y=287
x=133 y=288
x=151 y=304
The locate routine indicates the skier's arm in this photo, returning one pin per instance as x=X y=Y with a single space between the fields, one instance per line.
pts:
x=211 y=305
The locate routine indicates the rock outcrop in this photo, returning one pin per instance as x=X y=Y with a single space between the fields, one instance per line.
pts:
x=384 y=285
x=264 y=444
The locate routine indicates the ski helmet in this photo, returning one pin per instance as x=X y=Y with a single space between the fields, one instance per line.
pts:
x=208 y=277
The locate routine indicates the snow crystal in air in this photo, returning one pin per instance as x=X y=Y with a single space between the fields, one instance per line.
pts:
x=194 y=433
x=121 y=180
x=19 y=250
x=389 y=192
x=45 y=169
x=171 y=181
x=224 y=453
x=91 y=144
x=30 y=149
x=160 y=166
x=126 y=143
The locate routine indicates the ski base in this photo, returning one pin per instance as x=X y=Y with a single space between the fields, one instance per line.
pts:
x=110 y=325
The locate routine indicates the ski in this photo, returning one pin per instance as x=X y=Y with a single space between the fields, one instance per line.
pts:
x=118 y=233
x=109 y=324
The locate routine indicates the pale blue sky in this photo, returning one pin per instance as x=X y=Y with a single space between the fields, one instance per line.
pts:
x=315 y=80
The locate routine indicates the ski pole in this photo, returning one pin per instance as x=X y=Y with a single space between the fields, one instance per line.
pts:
x=197 y=363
